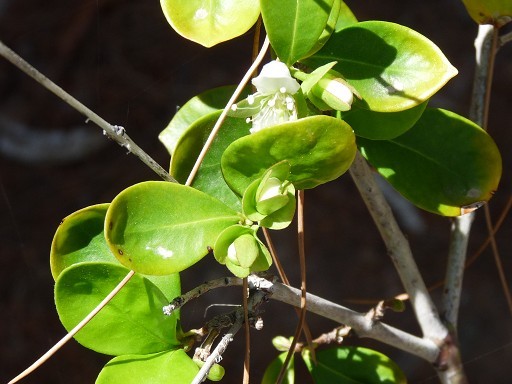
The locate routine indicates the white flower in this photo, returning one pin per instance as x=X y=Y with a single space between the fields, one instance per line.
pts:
x=273 y=77
x=275 y=89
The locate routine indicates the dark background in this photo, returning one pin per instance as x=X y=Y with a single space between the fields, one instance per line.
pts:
x=123 y=60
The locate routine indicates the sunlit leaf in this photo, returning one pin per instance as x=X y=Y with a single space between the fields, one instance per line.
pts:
x=209 y=177
x=444 y=164
x=157 y=227
x=81 y=238
x=211 y=22
x=353 y=365
x=132 y=323
x=294 y=27
x=319 y=149
x=174 y=367
x=392 y=67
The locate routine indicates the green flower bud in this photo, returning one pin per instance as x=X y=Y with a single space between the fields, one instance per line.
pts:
x=332 y=92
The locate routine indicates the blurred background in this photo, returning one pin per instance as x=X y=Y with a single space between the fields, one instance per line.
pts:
x=123 y=60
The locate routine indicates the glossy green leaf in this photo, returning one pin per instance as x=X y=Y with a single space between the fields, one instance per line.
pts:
x=353 y=365
x=168 y=367
x=445 y=164
x=319 y=149
x=272 y=372
x=80 y=238
x=132 y=323
x=209 y=177
x=392 y=67
x=197 y=107
x=496 y=12
x=294 y=27
x=211 y=22
x=158 y=228
x=382 y=125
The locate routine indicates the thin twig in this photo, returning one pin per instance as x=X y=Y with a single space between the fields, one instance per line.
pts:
x=239 y=89
x=115 y=132
x=180 y=301
x=460 y=229
x=74 y=331
x=256 y=298
x=247 y=359
x=399 y=250
x=485 y=51
x=302 y=262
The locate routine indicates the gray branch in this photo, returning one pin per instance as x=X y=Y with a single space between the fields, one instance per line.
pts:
x=399 y=251
x=115 y=132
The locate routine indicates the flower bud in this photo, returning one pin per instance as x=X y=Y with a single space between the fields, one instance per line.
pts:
x=332 y=92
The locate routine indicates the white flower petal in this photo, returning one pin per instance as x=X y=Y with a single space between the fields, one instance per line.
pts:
x=273 y=77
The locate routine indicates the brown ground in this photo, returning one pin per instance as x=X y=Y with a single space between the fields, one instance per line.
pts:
x=123 y=61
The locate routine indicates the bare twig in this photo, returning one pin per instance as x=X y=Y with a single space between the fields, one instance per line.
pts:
x=460 y=229
x=74 y=331
x=399 y=251
x=256 y=298
x=485 y=51
x=180 y=301
x=363 y=325
x=115 y=132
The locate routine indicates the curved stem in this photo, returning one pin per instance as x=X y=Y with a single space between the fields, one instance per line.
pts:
x=226 y=109
x=74 y=331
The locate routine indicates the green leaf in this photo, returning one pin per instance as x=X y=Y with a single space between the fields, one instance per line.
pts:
x=131 y=323
x=319 y=149
x=496 y=12
x=80 y=238
x=445 y=164
x=345 y=18
x=211 y=22
x=197 y=107
x=272 y=372
x=353 y=365
x=158 y=228
x=294 y=27
x=174 y=367
x=392 y=67
x=209 y=177
x=382 y=125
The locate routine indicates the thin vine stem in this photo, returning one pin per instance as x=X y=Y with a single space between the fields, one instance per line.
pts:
x=239 y=89
x=74 y=331
x=114 y=132
x=302 y=262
